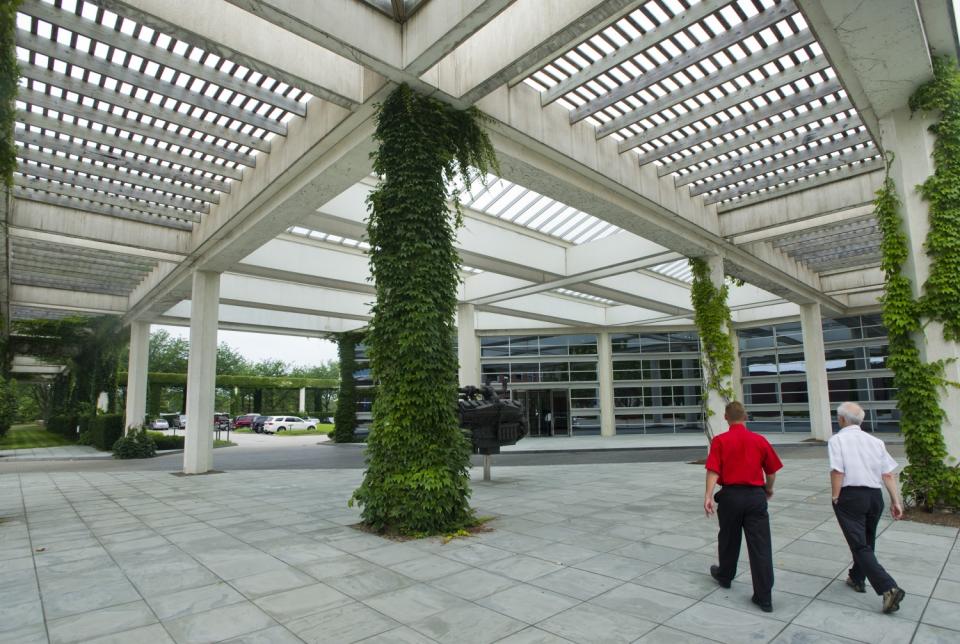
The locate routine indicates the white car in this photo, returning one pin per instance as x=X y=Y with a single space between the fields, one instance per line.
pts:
x=283 y=423
x=159 y=423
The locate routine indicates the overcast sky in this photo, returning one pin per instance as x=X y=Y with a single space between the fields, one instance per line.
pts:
x=260 y=346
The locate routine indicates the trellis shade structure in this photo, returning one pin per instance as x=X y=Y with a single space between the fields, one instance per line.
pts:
x=258 y=382
x=158 y=138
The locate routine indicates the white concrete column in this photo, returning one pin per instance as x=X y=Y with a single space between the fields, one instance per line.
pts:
x=908 y=137
x=468 y=345
x=201 y=372
x=303 y=400
x=818 y=396
x=608 y=422
x=103 y=401
x=716 y=404
x=137 y=365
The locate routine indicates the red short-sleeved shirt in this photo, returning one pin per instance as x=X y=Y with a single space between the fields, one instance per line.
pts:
x=741 y=457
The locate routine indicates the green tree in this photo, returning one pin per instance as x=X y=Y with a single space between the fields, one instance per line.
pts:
x=231 y=362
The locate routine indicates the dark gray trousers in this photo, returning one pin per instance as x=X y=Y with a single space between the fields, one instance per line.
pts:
x=858 y=513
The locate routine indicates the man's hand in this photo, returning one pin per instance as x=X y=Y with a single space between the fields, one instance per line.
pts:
x=708 y=506
x=769 y=492
x=896 y=510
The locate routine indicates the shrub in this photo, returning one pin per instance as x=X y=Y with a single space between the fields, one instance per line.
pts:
x=65 y=426
x=105 y=430
x=8 y=405
x=85 y=438
x=163 y=441
x=135 y=445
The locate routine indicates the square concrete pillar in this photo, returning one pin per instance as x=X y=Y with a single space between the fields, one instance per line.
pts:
x=201 y=372
x=818 y=396
x=468 y=345
x=138 y=363
x=608 y=420
x=908 y=136
x=303 y=400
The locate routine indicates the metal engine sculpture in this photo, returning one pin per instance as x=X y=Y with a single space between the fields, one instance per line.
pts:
x=493 y=421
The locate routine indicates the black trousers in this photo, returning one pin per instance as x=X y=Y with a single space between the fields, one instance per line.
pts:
x=858 y=513
x=742 y=511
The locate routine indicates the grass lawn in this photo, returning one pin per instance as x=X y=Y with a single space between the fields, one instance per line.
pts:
x=28 y=436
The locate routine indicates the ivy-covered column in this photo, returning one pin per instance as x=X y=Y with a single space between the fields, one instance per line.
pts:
x=345 y=420
x=908 y=135
x=717 y=353
x=417 y=458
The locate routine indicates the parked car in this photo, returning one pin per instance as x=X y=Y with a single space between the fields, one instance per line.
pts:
x=284 y=423
x=159 y=424
x=221 y=421
x=173 y=419
x=257 y=424
x=244 y=421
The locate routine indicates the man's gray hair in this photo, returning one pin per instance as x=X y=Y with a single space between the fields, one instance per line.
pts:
x=851 y=411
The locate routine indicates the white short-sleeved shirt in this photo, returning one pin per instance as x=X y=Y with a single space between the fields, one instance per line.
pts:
x=862 y=458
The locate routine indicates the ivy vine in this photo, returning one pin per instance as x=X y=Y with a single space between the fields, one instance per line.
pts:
x=941 y=299
x=927 y=480
x=417 y=478
x=9 y=81
x=712 y=317
x=345 y=420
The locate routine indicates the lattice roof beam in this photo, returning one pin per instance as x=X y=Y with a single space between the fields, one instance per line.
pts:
x=847 y=263
x=129 y=145
x=66 y=163
x=622 y=55
x=96 y=256
x=92 y=273
x=120 y=161
x=732 y=125
x=72 y=190
x=701 y=52
x=79 y=262
x=812 y=152
x=807 y=183
x=100 y=209
x=759 y=134
x=867 y=224
x=840 y=251
x=144 y=81
x=159 y=55
x=825 y=244
x=708 y=83
x=769 y=151
x=136 y=194
x=795 y=173
x=59 y=282
x=157 y=112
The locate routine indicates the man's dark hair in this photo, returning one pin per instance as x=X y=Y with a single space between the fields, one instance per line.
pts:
x=735 y=411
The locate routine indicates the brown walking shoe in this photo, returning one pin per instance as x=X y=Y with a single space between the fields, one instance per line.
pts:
x=858 y=586
x=892 y=599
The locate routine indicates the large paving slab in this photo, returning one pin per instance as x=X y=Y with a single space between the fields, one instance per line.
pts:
x=577 y=553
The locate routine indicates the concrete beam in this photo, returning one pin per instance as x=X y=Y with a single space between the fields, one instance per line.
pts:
x=850 y=196
x=57 y=224
x=439 y=27
x=242 y=318
x=879 y=50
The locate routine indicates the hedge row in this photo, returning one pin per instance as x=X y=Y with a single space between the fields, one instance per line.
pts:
x=104 y=430
x=165 y=441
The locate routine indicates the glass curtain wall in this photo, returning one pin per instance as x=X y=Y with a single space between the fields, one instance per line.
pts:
x=657 y=384
x=774 y=375
x=554 y=368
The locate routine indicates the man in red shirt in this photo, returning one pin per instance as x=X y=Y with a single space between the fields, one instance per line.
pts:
x=745 y=466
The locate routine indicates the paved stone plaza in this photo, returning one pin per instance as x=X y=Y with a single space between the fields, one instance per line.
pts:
x=588 y=553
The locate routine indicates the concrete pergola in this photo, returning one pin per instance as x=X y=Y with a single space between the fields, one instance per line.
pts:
x=206 y=164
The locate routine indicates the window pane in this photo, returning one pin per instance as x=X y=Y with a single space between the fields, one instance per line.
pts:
x=840 y=329
x=849 y=359
x=625 y=343
x=756 y=338
x=877 y=356
x=525 y=372
x=789 y=335
x=794 y=392
x=555 y=371
x=764 y=365
x=495 y=346
x=583 y=371
x=654 y=342
x=553 y=345
x=524 y=345
x=583 y=345
x=792 y=363
x=684 y=341
x=760 y=393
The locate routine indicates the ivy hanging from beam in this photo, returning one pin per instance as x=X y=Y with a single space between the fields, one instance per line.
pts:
x=9 y=81
x=712 y=317
x=416 y=480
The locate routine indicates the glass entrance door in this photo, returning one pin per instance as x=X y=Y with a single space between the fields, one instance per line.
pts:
x=548 y=411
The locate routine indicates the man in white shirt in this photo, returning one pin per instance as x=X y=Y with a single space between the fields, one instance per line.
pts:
x=859 y=466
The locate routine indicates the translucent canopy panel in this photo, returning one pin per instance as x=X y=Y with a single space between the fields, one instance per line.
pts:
x=678 y=270
x=734 y=98
x=518 y=205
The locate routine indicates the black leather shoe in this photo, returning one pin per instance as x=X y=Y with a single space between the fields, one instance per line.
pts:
x=715 y=573
x=767 y=608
